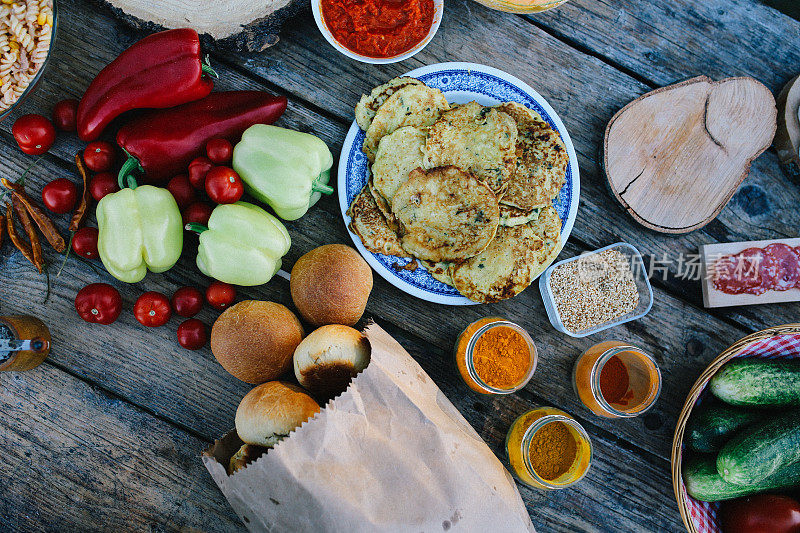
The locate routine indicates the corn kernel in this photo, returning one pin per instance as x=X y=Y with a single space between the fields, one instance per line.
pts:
x=41 y=19
x=8 y=2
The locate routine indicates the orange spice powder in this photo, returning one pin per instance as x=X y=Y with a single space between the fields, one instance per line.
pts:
x=501 y=357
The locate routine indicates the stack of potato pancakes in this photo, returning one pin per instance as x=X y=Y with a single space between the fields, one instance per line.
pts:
x=466 y=190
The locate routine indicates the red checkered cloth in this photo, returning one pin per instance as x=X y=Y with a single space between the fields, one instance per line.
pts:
x=705 y=515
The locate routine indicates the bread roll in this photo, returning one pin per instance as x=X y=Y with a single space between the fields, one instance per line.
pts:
x=244 y=456
x=331 y=285
x=255 y=341
x=326 y=360
x=271 y=411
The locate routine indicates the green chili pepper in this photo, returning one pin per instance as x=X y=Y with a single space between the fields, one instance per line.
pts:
x=242 y=245
x=288 y=170
x=140 y=228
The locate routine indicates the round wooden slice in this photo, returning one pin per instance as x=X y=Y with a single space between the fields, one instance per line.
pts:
x=242 y=25
x=675 y=156
x=787 y=139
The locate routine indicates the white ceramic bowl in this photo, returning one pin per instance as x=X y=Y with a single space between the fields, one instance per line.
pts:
x=438 y=6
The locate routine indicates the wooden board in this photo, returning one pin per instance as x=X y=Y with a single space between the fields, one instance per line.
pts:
x=675 y=156
x=246 y=25
x=712 y=297
x=172 y=391
x=787 y=138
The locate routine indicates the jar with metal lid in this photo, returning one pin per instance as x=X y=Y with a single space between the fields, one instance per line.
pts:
x=24 y=342
x=616 y=380
x=548 y=449
x=486 y=346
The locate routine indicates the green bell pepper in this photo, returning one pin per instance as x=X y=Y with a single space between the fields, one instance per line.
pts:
x=287 y=170
x=243 y=244
x=140 y=228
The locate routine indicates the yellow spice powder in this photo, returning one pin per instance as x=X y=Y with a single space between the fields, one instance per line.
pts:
x=501 y=357
x=553 y=450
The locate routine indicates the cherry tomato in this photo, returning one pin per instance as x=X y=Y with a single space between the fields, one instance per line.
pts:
x=198 y=212
x=60 y=195
x=34 y=134
x=220 y=151
x=152 y=309
x=99 y=156
x=102 y=184
x=182 y=190
x=762 y=513
x=84 y=242
x=187 y=301
x=192 y=334
x=98 y=303
x=65 y=115
x=224 y=185
x=220 y=295
x=198 y=169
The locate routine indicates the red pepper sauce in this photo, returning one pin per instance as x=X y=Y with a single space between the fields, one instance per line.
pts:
x=614 y=382
x=378 y=28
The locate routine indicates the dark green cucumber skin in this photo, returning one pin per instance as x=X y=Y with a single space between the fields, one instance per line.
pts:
x=758 y=382
x=761 y=450
x=714 y=424
x=704 y=483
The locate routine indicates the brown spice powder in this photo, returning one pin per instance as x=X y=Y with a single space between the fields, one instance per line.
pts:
x=552 y=451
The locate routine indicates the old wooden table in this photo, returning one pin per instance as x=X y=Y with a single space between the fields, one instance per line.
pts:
x=106 y=434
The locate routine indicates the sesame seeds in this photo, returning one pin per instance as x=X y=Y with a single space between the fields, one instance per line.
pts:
x=593 y=290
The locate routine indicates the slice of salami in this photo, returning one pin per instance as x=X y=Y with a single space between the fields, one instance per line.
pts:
x=760 y=268
x=724 y=275
x=787 y=266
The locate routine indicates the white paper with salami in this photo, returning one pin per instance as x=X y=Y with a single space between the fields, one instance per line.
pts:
x=390 y=454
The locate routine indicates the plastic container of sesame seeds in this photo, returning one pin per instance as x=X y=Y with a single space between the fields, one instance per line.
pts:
x=583 y=295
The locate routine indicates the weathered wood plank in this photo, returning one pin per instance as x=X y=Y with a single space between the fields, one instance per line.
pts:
x=401 y=309
x=77 y=459
x=667 y=42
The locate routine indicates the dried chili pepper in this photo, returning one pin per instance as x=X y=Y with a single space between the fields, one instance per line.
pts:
x=18 y=241
x=82 y=210
x=30 y=230
x=46 y=225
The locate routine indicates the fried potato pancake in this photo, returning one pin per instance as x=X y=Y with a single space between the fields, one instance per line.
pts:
x=370 y=225
x=445 y=214
x=385 y=208
x=541 y=164
x=511 y=262
x=412 y=105
x=369 y=104
x=438 y=271
x=398 y=154
x=479 y=139
x=514 y=216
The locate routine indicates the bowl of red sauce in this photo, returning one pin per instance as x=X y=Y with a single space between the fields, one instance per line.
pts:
x=378 y=31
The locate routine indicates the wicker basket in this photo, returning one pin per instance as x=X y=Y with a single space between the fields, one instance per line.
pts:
x=780 y=341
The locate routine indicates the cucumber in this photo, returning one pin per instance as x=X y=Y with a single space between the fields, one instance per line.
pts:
x=704 y=483
x=761 y=450
x=758 y=382
x=710 y=428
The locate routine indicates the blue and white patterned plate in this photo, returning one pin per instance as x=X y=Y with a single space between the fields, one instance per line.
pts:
x=461 y=83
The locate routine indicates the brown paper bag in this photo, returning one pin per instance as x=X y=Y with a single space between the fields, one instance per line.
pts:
x=390 y=454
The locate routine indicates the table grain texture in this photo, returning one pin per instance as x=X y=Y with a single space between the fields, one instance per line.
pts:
x=106 y=434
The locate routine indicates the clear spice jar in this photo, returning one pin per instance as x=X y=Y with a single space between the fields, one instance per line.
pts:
x=616 y=380
x=528 y=451
x=484 y=346
x=24 y=342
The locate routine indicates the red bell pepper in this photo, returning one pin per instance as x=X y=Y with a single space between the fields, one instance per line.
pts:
x=160 y=71
x=161 y=144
